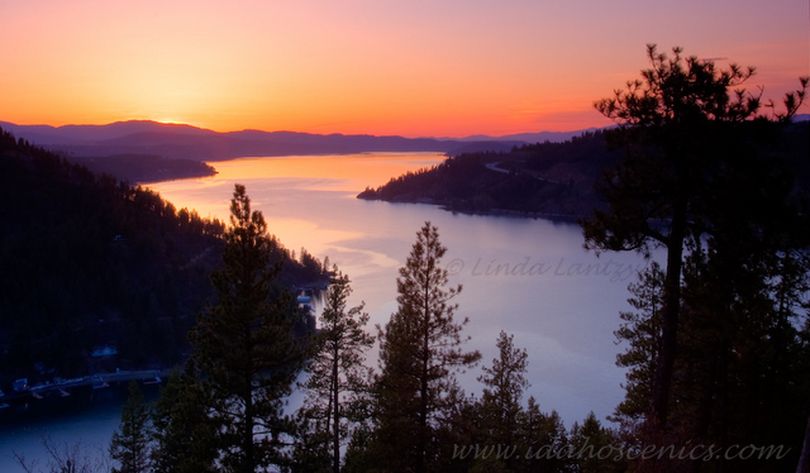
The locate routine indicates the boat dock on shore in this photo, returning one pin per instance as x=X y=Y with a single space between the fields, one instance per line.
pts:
x=66 y=387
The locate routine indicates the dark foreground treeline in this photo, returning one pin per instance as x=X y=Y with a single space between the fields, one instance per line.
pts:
x=88 y=262
x=224 y=412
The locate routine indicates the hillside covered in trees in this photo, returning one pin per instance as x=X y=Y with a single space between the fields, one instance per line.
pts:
x=553 y=180
x=548 y=179
x=144 y=167
x=94 y=267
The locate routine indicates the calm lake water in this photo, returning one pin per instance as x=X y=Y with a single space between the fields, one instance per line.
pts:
x=529 y=277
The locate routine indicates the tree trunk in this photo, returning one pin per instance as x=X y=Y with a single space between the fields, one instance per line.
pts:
x=670 y=313
x=804 y=458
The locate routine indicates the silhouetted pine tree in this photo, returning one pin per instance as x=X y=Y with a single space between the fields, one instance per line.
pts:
x=543 y=440
x=244 y=348
x=742 y=355
x=683 y=124
x=420 y=353
x=641 y=332
x=130 y=443
x=339 y=382
x=499 y=411
x=504 y=384
x=595 y=448
x=184 y=433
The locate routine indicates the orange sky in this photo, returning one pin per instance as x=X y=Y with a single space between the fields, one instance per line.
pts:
x=416 y=67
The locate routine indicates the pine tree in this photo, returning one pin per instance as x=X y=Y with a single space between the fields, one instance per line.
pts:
x=595 y=448
x=420 y=353
x=543 y=439
x=338 y=383
x=500 y=410
x=311 y=452
x=683 y=124
x=641 y=332
x=360 y=457
x=738 y=376
x=130 y=443
x=184 y=433
x=504 y=383
x=244 y=347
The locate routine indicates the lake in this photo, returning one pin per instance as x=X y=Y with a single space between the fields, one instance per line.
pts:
x=529 y=277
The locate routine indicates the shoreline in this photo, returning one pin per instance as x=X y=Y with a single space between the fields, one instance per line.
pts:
x=554 y=217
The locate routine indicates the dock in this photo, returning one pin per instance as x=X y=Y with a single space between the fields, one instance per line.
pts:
x=97 y=381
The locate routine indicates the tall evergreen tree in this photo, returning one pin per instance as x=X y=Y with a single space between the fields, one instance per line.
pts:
x=504 y=384
x=594 y=448
x=420 y=353
x=310 y=450
x=130 y=443
x=339 y=382
x=741 y=360
x=682 y=123
x=244 y=346
x=641 y=332
x=360 y=457
x=739 y=377
x=184 y=433
x=499 y=411
x=543 y=439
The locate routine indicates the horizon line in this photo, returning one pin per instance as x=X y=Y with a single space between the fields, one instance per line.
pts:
x=202 y=128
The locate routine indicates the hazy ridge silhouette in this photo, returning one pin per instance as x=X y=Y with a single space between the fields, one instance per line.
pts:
x=179 y=141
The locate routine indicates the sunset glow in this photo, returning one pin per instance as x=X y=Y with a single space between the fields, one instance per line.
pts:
x=412 y=68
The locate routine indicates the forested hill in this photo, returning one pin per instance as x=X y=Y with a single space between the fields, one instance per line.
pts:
x=553 y=180
x=88 y=262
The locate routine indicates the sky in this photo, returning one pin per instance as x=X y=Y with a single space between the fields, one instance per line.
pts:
x=415 y=68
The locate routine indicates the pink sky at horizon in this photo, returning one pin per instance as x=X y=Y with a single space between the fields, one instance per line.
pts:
x=418 y=68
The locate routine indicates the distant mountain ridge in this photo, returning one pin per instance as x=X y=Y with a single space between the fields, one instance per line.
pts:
x=538 y=137
x=179 y=141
